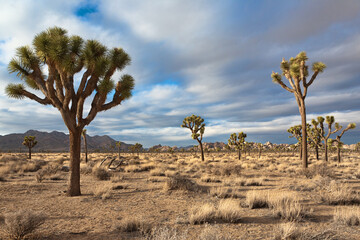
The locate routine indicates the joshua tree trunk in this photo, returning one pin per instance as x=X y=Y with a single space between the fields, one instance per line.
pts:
x=302 y=110
x=326 y=151
x=30 y=153
x=239 y=151
x=338 y=153
x=300 y=152
x=317 y=152
x=259 y=153
x=75 y=147
x=202 y=151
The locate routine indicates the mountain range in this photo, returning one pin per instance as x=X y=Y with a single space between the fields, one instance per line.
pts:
x=55 y=141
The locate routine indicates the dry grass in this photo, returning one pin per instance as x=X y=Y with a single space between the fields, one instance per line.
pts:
x=337 y=193
x=21 y=224
x=165 y=233
x=288 y=231
x=347 y=215
x=287 y=206
x=103 y=191
x=257 y=199
x=227 y=211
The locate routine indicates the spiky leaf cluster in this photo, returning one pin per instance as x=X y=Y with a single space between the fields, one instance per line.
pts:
x=237 y=141
x=196 y=125
x=295 y=70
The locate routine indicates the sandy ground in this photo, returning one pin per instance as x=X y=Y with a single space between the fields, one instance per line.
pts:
x=142 y=196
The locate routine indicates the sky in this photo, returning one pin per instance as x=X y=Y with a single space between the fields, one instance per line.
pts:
x=204 y=57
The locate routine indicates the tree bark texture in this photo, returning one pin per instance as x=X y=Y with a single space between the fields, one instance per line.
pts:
x=75 y=147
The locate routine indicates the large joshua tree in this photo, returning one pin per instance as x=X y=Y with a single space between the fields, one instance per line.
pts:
x=197 y=127
x=64 y=58
x=337 y=140
x=325 y=136
x=296 y=72
x=29 y=142
x=238 y=141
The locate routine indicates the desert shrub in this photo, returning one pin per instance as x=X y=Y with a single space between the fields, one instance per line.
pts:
x=182 y=183
x=21 y=224
x=132 y=168
x=134 y=224
x=250 y=181
x=39 y=176
x=338 y=194
x=101 y=173
x=165 y=233
x=347 y=215
x=171 y=173
x=257 y=199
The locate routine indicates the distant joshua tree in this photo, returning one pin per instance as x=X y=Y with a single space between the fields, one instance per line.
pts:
x=30 y=142
x=64 y=58
x=296 y=71
x=118 y=144
x=136 y=148
x=338 y=142
x=83 y=134
x=259 y=146
x=329 y=120
x=238 y=142
x=197 y=127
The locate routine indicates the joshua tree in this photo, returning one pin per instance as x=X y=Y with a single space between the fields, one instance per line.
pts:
x=338 y=142
x=315 y=136
x=197 y=127
x=237 y=141
x=136 y=148
x=118 y=144
x=329 y=120
x=296 y=132
x=65 y=57
x=83 y=134
x=30 y=142
x=296 y=71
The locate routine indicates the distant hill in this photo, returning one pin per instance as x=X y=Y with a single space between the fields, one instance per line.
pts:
x=54 y=141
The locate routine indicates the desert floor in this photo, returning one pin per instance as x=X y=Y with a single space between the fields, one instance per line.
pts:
x=163 y=195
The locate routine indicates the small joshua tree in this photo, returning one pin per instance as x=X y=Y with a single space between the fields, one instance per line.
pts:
x=315 y=136
x=197 y=127
x=296 y=72
x=118 y=144
x=296 y=132
x=30 y=142
x=237 y=141
x=329 y=120
x=337 y=140
x=83 y=134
